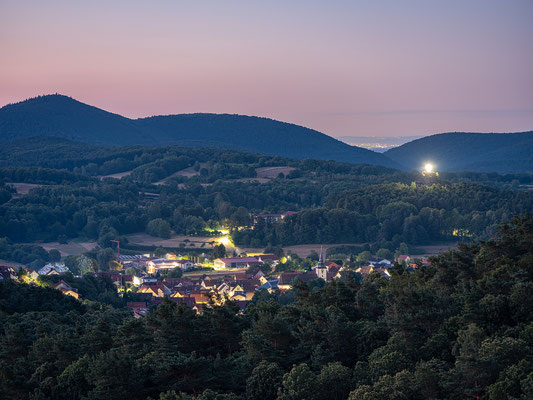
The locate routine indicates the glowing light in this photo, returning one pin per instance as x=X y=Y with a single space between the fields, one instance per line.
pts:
x=225 y=240
x=428 y=168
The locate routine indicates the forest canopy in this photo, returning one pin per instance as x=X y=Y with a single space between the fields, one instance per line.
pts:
x=102 y=193
x=459 y=328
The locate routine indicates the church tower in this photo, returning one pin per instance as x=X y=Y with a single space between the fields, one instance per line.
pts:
x=321 y=269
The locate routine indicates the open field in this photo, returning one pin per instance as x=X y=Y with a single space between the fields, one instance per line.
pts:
x=186 y=172
x=196 y=242
x=144 y=239
x=272 y=172
x=264 y=175
x=69 y=249
x=303 y=250
x=250 y=180
x=118 y=175
x=24 y=188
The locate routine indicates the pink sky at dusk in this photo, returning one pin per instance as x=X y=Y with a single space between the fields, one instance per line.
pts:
x=346 y=68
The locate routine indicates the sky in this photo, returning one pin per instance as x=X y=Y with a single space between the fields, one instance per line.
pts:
x=345 y=68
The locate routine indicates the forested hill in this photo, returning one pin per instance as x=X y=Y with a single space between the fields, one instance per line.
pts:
x=478 y=152
x=64 y=117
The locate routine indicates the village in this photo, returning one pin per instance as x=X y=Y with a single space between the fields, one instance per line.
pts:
x=198 y=285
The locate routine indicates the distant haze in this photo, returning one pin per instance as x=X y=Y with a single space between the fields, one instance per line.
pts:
x=346 y=68
x=377 y=143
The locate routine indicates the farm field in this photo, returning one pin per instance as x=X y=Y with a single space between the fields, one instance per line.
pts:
x=272 y=172
x=68 y=249
x=186 y=172
x=303 y=250
x=144 y=239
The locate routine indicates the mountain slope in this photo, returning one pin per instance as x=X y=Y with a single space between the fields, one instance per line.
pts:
x=477 y=152
x=256 y=134
x=64 y=117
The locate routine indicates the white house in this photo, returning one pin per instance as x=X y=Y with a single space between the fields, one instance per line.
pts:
x=379 y=262
x=236 y=262
x=163 y=264
x=53 y=269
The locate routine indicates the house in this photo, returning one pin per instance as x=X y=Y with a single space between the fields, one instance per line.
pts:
x=403 y=259
x=369 y=269
x=244 y=288
x=179 y=283
x=379 y=262
x=223 y=288
x=236 y=262
x=139 y=308
x=53 y=269
x=31 y=274
x=188 y=301
x=417 y=262
x=66 y=289
x=157 y=289
x=139 y=280
x=186 y=265
x=7 y=272
x=163 y=264
x=199 y=297
x=273 y=218
x=208 y=283
x=269 y=286
x=285 y=279
x=267 y=258
x=365 y=271
x=267 y=218
x=334 y=271
x=240 y=277
x=126 y=260
x=245 y=296
x=256 y=273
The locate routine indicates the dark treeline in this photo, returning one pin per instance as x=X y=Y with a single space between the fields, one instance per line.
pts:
x=400 y=213
x=415 y=214
x=41 y=175
x=459 y=328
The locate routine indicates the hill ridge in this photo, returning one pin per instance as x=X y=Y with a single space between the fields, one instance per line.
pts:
x=469 y=151
x=62 y=116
